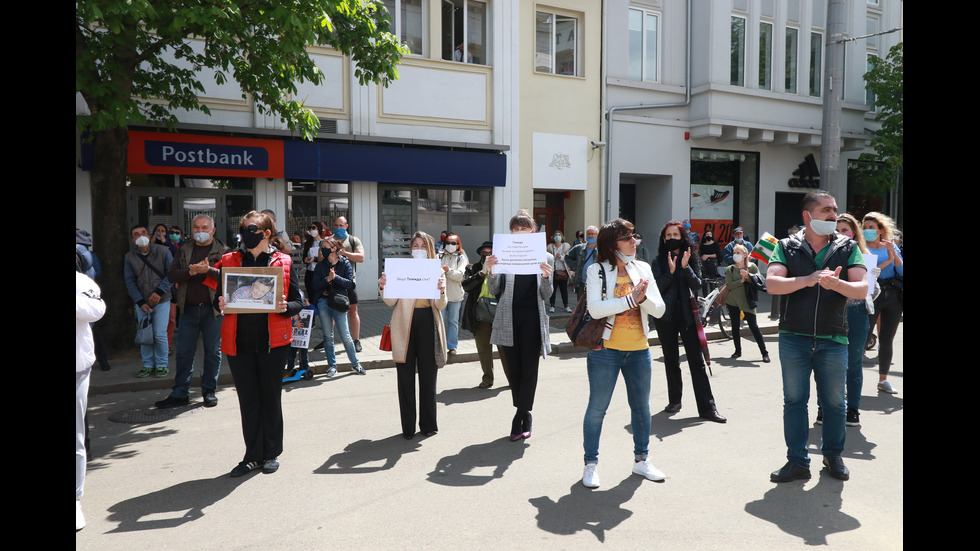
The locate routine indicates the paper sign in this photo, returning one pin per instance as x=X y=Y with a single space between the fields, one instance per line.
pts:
x=870 y=261
x=301 y=328
x=519 y=253
x=412 y=278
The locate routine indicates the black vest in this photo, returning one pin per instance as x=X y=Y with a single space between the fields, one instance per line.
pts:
x=815 y=310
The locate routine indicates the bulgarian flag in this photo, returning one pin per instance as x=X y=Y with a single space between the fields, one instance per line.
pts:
x=764 y=248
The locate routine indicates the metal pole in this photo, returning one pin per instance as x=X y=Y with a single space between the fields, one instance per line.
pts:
x=830 y=171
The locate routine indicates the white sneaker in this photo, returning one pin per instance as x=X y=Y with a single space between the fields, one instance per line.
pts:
x=551 y=310
x=79 y=517
x=885 y=386
x=590 y=478
x=567 y=309
x=646 y=469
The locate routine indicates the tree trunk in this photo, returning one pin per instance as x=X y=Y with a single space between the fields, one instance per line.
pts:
x=110 y=233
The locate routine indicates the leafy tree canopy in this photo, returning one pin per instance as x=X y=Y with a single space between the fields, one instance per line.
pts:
x=135 y=61
x=885 y=80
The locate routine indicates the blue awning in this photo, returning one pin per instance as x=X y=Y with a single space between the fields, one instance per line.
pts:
x=396 y=164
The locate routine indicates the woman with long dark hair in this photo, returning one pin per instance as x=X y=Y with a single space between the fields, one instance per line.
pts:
x=620 y=289
x=257 y=344
x=334 y=275
x=677 y=283
x=311 y=249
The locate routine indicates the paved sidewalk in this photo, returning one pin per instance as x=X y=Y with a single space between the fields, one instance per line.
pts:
x=374 y=316
x=159 y=479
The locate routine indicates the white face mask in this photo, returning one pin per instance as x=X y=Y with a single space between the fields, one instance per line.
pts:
x=624 y=258
x=737 y=257
x=420 y=253
x=450 y=248
x=314 y=233
x=202 y=236
x=142 y=241
x=823 y=227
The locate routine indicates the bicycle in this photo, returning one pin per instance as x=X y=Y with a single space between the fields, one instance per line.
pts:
x=713 y=311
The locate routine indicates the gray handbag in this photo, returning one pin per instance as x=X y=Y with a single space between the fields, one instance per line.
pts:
x=144 y=328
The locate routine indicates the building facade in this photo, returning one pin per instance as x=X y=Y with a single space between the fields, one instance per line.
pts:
x=731 y=137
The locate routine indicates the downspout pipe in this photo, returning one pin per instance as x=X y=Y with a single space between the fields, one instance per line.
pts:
x=612 y=111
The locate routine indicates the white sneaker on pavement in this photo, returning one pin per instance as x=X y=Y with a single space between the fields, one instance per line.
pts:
x=885 y=386
x=646 y=469
x=79 y=517
x=590 y=478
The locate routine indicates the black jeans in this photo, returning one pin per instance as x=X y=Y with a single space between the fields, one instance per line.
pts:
x=562 y=286
x=889 y=307
x=750 y=319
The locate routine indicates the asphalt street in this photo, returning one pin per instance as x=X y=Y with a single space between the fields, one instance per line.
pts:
x=159 y=479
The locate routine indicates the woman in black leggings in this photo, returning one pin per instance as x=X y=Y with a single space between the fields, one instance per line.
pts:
x=879 y=232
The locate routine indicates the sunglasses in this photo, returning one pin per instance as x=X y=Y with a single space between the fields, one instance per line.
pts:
x=628 y=237
x=251 y=229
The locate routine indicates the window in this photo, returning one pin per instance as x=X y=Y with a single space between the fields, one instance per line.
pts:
x=315 y=200
x=816 y=63
x=408 y=22
x=556 y=44
x=644 y=28
x=738 y=51
x=869 y=95
x=469 y=19
x=765 y=56
x=792 y=53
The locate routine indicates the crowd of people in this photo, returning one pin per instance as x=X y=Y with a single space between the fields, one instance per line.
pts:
x=826 y=315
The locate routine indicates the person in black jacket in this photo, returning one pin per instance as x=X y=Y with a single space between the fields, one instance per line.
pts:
x=474 y=285
x=677 y=283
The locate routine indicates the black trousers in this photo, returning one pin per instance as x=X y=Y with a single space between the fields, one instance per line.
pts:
x=523 y=358
x=889 y=307
x=420 y=358
x=750 y=320
x=668 y=331
x=561 y=286
x=258 y=380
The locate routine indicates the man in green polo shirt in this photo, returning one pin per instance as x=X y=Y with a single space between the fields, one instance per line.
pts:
x=817 y=271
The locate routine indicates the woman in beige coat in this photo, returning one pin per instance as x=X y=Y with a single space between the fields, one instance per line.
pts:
x=418 y=344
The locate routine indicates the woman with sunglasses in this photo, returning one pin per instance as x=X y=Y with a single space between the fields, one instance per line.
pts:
x=257 y=344
x=677 y=283
x=627 y=300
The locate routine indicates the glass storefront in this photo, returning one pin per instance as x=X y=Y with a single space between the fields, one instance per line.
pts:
x=405 y=209
x=309 y=201
x=724 y=193
x=176 y=200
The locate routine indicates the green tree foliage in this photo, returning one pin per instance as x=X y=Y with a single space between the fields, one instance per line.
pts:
x=139 y=62
x=885 y=80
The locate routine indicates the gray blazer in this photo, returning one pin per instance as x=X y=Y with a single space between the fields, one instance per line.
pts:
x=503 y=322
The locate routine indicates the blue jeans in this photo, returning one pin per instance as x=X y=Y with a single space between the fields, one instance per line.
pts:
x=155 y=355
x=197 y=320
x=827 y=360
x=450 y=318
x=858 y=325
x=329 y=317
x=603 y=367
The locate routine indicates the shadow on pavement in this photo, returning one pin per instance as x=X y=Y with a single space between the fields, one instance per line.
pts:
x=358 y=456
x=464 y=468
x=180 y=504
x=596 y=511
x=810 y=515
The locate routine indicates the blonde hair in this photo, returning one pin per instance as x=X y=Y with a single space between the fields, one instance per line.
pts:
x=855 y=229
x=743 y=251
x=430 y=244
x=884 y=222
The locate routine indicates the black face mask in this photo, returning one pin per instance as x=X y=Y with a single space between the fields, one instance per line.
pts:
x=252 y=240
x=673 y=244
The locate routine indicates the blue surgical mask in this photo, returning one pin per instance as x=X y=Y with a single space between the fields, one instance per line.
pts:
x=739 y=240
x=590 y=240
x=870 y=235
x=687 y=226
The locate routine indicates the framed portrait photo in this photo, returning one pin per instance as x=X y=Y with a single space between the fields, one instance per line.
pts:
x=251 y=290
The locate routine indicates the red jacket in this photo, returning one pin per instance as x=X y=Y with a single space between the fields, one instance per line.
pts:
x=280 y=326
